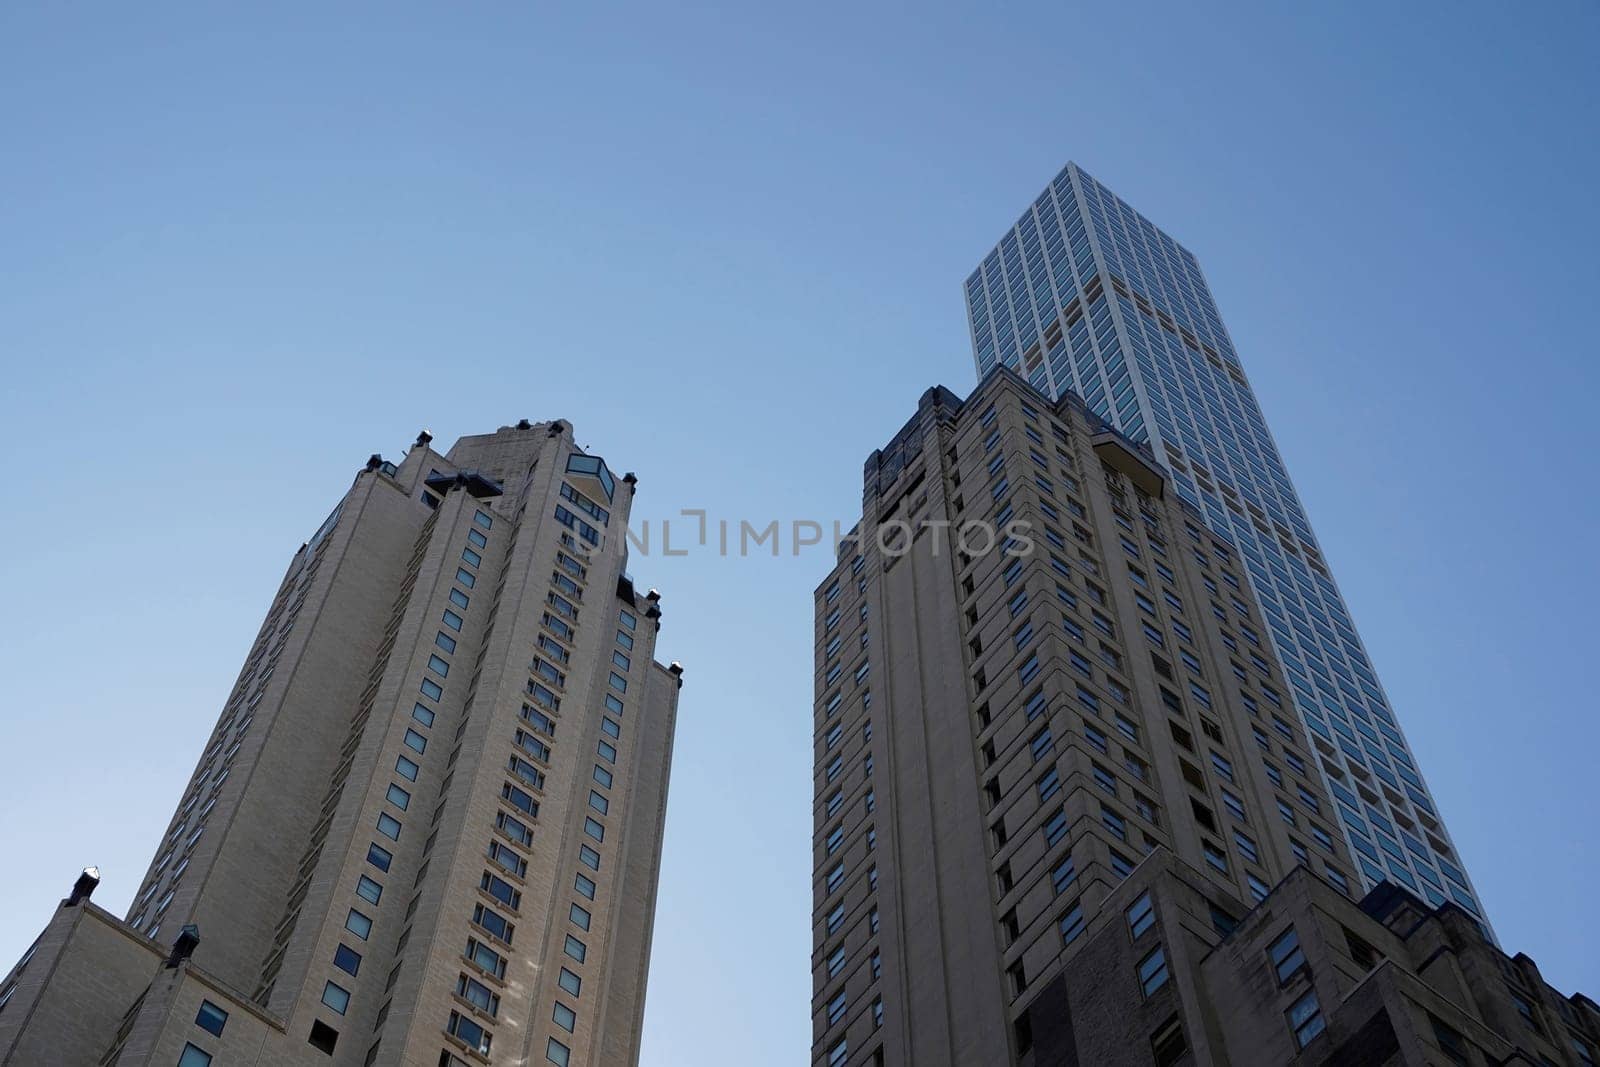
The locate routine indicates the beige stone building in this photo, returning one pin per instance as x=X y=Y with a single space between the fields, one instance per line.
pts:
x=1056 y=765
x=427 y=828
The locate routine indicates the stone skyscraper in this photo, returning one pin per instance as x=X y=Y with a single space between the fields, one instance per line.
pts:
x=427 y=827
x=1085 y=295
x=1064 y=810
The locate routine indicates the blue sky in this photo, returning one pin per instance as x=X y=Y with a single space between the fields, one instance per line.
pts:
x=242 y=249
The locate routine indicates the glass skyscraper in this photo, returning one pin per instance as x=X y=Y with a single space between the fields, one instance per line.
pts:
x=1086 y=295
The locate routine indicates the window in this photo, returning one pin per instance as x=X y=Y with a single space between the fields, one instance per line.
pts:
x=1153 y=971
x=194 y=1056
x=1287 y=959
x=398 y=797
x=838 y=1054
x=358 y=924
x=405 y=768
x=1114 y=823
x=469 y=1032
x=416 y=742
x=336 y=997
x=576 y=949
x=1049 y=785
x=1451 y=1043
x=368 y=890
x=592 y=827
x=565 y=1017
x=477 y=994
x=579 y=916
x=570 y=982
x=1167 y=1044
x=1141 y=915
x=1305 y=1019
x=493 y=922
x=1072 y=923
x=1055 y=829
x=1064 y=875
x=423 y=714
x=389 y=826
x=347 y=959
x=211 y=1018
x=501 y=890
x=589 y=857
x=584 y=886
x=557 y=1053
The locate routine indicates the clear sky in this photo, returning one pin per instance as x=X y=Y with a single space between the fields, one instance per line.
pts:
x=244 y=246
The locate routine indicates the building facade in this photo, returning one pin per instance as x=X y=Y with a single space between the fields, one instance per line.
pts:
x=1064 y=811
x=1085 y=295
x=427 y=827
x=1004 y=731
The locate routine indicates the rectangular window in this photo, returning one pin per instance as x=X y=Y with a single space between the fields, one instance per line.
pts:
x=493 y=922
x=570 y=982
x=1153 y=971
x=1055 y=829
x=212 y=1018
x=1287 y=959
x=347 y=960
x=1141 y=914
x=1305 y=1019
x=501 y=890
x=358 y=924
x=369 y=890
x=469 y=1032
x=336 y=997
